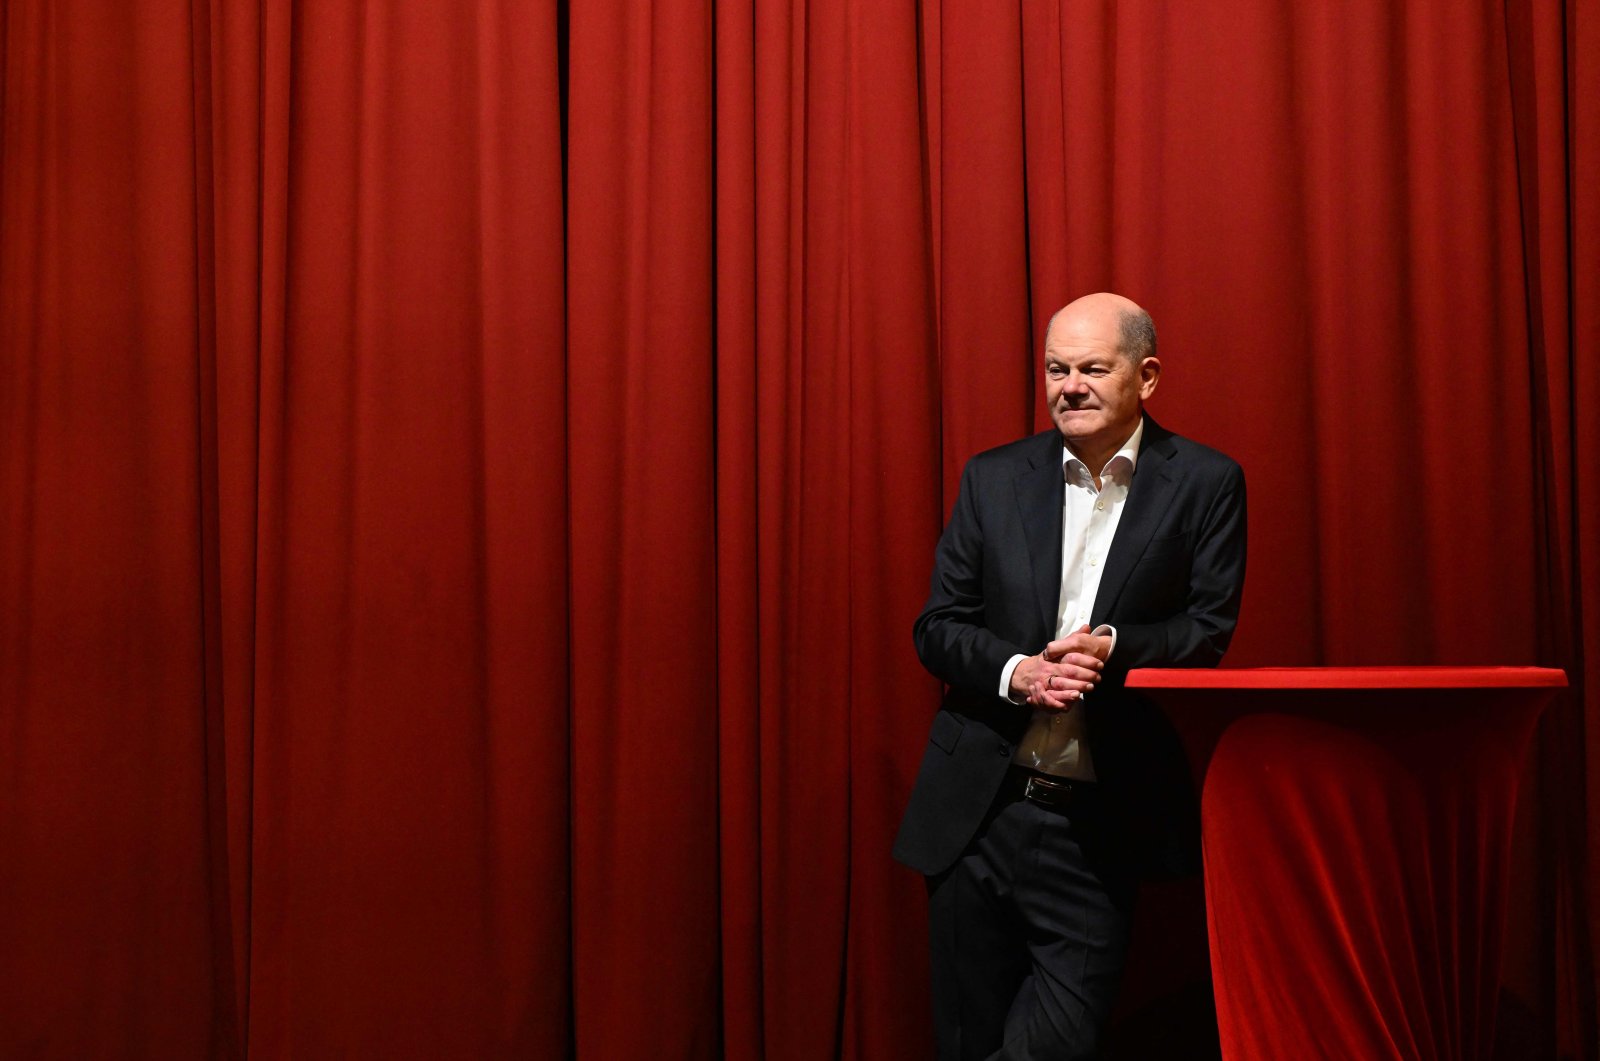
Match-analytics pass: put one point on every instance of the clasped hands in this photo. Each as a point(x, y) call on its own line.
point(1058, 678)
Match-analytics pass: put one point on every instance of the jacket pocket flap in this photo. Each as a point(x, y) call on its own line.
point(946, 731)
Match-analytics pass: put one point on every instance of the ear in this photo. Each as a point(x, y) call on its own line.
point(1149, 376)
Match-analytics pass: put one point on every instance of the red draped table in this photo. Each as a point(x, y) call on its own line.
point(1357, 827)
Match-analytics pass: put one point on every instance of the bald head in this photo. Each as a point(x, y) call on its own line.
point(1136, 332)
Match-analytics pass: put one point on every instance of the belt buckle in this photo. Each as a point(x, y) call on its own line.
point(1040, 790)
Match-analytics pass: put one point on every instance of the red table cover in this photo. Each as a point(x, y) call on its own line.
point(1357, 829)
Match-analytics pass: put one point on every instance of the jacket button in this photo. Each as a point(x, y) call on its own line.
point(1002, 749)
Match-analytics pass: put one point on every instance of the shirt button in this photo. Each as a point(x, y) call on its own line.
point(1100, 504)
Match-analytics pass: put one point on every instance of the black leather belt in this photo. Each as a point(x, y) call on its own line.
point(1047, 790)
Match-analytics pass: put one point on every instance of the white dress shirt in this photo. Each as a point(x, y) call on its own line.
point(1055, 742)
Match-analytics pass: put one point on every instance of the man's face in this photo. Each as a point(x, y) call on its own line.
point(1095, 393)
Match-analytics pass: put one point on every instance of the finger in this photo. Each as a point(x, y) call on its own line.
point(1076, 643)
point(1061, 646)
point(1052, 690)
point(1062, 700)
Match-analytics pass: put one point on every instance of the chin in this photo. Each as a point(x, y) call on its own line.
point(1076, 429)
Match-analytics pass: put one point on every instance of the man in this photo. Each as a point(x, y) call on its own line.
point(1104, 544)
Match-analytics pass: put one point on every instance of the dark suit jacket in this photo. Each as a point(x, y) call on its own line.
point(1171, 586)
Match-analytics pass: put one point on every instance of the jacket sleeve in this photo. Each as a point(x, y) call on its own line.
point(1199, 635)
point(952, 638)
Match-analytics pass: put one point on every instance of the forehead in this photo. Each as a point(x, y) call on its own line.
point(1078, 337)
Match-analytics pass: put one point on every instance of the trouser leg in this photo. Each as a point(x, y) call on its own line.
point(977, 942)
point(1077, 905)
point(1028, 938)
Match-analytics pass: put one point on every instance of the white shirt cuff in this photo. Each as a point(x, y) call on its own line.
point(1005, 678)
point(1101, 631)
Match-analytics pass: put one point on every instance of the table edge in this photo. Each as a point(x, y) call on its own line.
point(1431, 677)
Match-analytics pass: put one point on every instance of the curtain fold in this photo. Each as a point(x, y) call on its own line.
point(467, 474)
point(407, 734)
point(106, 879)
point(642, 524)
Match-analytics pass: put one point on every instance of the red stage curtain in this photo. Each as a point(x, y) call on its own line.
point(285, 673)
point(467, 471)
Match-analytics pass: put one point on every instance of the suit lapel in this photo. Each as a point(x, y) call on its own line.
point(1155, 480)
point(1039, 500)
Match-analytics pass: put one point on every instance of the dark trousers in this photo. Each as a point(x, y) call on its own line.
point(1029, 936)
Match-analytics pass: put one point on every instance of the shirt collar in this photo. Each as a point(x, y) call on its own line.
point(1128, 451)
